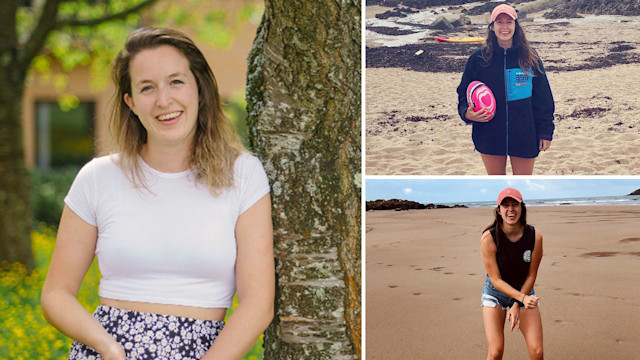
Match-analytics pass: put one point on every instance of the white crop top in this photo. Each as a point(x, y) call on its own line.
point(174, 244)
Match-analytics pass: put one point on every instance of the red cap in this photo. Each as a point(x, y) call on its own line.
point(509, 192)
point(503, 9)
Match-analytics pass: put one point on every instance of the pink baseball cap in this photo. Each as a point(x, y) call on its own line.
point(509, 192)
point(503, 9)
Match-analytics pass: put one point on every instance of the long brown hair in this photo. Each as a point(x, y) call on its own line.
point(497, 223)
point(527, 59)
point(216, 144)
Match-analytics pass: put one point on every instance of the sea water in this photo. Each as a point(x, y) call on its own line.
point(585, 201)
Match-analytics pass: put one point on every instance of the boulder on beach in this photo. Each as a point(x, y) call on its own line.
point(562, 13)
point(599, 7)
point(637, 192)
point(464, 20)
point(441, 23)
point(390, 14)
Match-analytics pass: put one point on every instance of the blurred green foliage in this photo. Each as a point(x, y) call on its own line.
point(235, 108)
point(97, 45)
point(48, 191)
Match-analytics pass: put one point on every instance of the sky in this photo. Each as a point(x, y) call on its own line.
point(484, 189)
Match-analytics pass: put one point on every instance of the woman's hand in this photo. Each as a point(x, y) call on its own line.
point(530, 301)
point(545, 145)
point(481, 115)
point(514, 317)
point(113, 351)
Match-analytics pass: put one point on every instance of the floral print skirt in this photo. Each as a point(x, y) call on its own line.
point(152, 336)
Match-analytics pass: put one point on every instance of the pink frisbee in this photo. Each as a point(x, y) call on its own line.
point(481, 96)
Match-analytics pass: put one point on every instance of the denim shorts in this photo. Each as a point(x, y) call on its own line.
point(152, 336)
point(491, 297)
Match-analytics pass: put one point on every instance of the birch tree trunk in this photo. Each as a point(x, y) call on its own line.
point(303, 98)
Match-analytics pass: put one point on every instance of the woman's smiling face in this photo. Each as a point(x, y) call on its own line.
point(504, 27)
point(164, 96)
point(510, 210)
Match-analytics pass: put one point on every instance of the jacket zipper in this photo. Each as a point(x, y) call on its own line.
point(506, 95)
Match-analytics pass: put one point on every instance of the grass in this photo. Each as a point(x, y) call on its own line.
point(24, 333)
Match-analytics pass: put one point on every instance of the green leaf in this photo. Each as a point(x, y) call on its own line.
point(68, 102)
point(41, 63)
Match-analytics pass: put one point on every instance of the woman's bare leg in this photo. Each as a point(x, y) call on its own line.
point(531, 328)
point(522, 166)
point(495, 164)
point(494, 330)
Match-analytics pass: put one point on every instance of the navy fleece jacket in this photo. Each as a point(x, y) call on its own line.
point(524, 111)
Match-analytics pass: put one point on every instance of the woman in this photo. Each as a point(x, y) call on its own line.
point(523, 121)
point(511, 252)
point(179, 219)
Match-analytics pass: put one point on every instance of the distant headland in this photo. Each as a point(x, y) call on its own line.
point(399, 205)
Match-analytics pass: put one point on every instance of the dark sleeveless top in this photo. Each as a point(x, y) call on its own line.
point(514, 258)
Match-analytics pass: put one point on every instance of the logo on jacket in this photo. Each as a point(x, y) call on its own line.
point(526, 256)
point(522, 79)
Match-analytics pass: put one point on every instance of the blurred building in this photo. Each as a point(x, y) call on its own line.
point(54, 138)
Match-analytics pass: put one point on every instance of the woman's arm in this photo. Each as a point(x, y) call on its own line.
point(255, 280)
point(543, 106)
point(73, 254)
point(536, 257)
point(468, 76)
point(491, 265)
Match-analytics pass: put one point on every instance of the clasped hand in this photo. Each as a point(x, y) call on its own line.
point(482, 115)
point(513, 316)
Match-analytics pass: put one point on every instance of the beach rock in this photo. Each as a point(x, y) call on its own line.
point(390, 14)
point(562, 13)
point(602, 7)
point(400, 205)
point(394, 204)
point(483, 9)
point(464, 20)
point(399, 12)
point(422, 4)
point(637, 192)
point(441, 23)
point(388, 3)
point(536, 6)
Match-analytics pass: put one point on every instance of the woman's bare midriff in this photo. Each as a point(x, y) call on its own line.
point(216, 314)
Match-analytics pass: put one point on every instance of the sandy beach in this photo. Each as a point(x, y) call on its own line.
point(412, 125)
point(424, 277)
